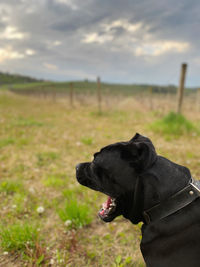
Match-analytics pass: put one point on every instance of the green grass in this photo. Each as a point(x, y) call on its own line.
point(28, 122)
point(6, 142)
point(44, 158)
point(11, 186)
point(87, 140)
point(77, 213)
point(121, 262)
point(55, 180)
point(70, 193)
point(18, 236)
point(174, 124)
point(19, 203)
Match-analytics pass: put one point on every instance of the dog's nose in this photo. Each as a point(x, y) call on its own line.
point(78, 166)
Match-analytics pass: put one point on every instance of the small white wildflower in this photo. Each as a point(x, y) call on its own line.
point(61, 260)
point(5, 253)
point(31, 190)
point(52, 261)
point(14, 206)
point(68, 222)
point(47, 248)
point(40, 210)
point(78, 143)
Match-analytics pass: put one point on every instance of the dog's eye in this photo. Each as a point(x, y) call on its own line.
point(95, 155)
point(92, 165)
point(95, 161)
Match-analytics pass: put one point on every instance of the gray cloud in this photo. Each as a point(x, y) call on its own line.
point(122, 41)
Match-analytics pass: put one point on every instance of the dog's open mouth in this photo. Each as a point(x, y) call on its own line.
point(106, 213)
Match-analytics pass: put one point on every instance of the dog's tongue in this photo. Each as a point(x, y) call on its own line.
point(108, 209)
point(105, 206)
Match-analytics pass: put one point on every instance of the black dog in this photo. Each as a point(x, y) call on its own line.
point(143, 186)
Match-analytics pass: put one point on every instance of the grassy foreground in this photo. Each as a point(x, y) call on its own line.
point(47, 218)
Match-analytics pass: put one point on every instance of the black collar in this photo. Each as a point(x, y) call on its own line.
point(171, 205)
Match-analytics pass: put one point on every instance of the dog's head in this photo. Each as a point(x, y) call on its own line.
point(114, 172)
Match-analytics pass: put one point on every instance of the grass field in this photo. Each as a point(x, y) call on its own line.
point(47, 218)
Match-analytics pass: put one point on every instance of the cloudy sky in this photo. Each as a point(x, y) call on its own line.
point(127, 41)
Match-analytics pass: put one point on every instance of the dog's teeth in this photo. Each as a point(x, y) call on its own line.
point(113, 204)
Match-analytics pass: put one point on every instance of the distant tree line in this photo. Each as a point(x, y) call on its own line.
point(7, 78)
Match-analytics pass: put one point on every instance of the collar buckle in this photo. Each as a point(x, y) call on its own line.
point(174, 203)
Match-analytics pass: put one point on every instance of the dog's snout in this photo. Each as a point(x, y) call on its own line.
point(78, 166)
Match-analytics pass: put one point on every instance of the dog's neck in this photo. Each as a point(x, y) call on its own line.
point(154, 186)
point(159, 185)
point(132, 212)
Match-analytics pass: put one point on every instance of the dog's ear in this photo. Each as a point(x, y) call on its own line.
point(135, 137)
point(140, 138)
point(140, 155)
point(146, 154)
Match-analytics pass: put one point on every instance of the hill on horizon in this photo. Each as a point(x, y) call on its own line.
point(8, 78)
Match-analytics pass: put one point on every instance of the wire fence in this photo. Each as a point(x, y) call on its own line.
point(105, 96)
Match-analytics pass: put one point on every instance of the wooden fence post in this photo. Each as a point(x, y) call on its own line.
point(99, 98)
point(53, 91)
point(71, 94)
point(198, 99)
point(151, 97)
point(181, 87)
